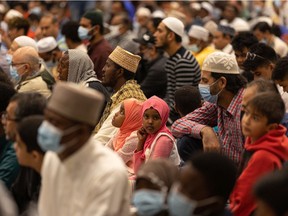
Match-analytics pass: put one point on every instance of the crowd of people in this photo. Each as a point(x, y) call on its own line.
point(144, 108)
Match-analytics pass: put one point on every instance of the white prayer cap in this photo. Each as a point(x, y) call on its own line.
point(195, 5)
point(198, 32)
point(207, 6)
point(46, 44)
point(158, 14)
point(2, 8)
point(243, 26)
point(174, 25)
point(220, 62)
point(143, 11)
point(211, 26)
point(255, 21)
point(26, 41)
point(12, 13)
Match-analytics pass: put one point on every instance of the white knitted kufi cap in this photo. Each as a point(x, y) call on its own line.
point(46, 44)
point(174, 25)
point(143, 11)
point(220, 62)
point(26, 41)
point(12, 13)
point(207, 6)
point(125, 59)
point(198, 32)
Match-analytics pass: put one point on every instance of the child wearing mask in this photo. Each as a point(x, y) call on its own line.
point(154, 138)
point(266, 148)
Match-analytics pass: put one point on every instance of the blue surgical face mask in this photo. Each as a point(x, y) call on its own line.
point(206, 94)
point(49, 137)
point(15, 77)
point(194, 48)
point(148, 202)
point(83, 33)
point(180, 205)
point(9, 59)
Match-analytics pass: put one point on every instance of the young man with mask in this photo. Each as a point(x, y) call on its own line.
point(221, 76)
point(79, 175)
point(91, 30)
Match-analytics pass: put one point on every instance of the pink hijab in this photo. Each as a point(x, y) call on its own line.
point(132, 122)
point(163, 110)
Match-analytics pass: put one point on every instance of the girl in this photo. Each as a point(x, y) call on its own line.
point(128, 119)
point(154, 138)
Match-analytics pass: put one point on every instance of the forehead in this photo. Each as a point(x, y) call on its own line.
point(206, 75)
point(217, 34)
point(46, 21)
point(85, 22)
point(162, 27)
point(151, 111)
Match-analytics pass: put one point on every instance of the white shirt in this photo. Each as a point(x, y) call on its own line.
point(91, 182)
point(82, 47)
point(280, 47)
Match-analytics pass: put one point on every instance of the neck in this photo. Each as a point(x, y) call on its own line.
point(73, 148)
point(119, 84)
point(74, 45)
point(172, 48)
point(225, 98)
point(37, 166)
point(96, 39)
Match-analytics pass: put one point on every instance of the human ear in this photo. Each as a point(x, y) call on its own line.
point(223, 81)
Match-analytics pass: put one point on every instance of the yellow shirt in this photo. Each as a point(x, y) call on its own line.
point(200, 57)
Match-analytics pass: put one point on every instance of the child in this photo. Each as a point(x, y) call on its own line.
point(266, 147)
point(154, 138)
point(129, 120)
point(187, 145)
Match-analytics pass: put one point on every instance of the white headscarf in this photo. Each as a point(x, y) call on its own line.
point(81, 67)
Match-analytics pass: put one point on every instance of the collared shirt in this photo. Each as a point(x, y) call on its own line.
point(129, 90)
point(228, 122)
point(92, 181)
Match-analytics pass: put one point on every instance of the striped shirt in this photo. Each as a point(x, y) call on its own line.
point(182, 69)
point(228, 122)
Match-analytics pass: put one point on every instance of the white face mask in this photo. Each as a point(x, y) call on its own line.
point(114, 30)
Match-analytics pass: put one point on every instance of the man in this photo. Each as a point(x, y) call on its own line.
point(26, 63)
point(48, 50)
point(221, 76)
point(70, 32)
point(121, 34)
point(241, 44)
point(264, 34)
point(280, 73)
point(181, 67)
point(92, 29)
point(26, 186)
point(152, 77)
point(118, 73)
point(8, 161)
point(79, 176)
point(199, 43)
point(222, 39)
point(50, 27)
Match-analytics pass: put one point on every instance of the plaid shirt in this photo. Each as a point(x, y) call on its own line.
point(228, 122)
point(129, 90)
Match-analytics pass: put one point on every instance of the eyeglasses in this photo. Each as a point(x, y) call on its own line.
point(253, 56)
point(4, 117)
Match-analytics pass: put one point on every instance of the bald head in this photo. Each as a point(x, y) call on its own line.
point(27, 55)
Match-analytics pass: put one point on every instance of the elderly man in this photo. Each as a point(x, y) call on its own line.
point(118, 73)
point(79, 176)
point(181, 67)
point(199, 43)
point(26, 64)
point(221, 76)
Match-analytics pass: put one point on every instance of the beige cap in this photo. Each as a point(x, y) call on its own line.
point(125, 59)
point(77, 102)
point(211, 26)
point(220, 62)
point(198, 32)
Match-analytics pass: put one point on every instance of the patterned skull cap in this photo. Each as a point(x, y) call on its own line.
point(220, 62)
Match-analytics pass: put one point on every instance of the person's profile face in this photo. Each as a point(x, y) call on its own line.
point(263, 71)
point(23, 157)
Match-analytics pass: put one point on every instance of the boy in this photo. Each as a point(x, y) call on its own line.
point(266, 147)
point(187, 99)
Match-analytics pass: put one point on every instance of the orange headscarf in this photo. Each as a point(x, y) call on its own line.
point(132, 122)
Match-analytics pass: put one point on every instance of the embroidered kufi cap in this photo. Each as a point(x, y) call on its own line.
point(46, 44)
point(77, 102)
point(125, 59)
point(220, 62)
point(198, 32)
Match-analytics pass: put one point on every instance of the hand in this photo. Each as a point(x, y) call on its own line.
point(142, 135)
point(210, 140)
